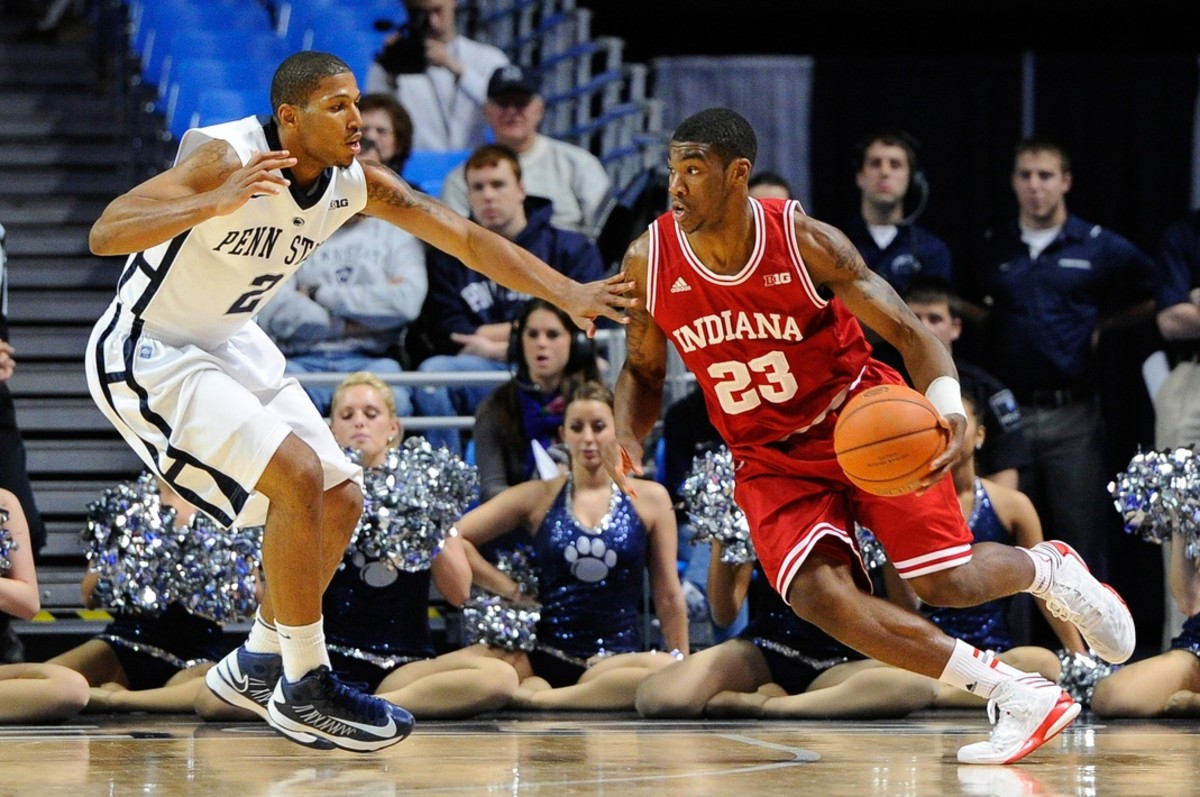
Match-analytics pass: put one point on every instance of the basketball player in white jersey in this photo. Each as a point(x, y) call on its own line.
point(183, 372)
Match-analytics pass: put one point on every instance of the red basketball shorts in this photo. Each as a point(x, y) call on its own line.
point(797, 500)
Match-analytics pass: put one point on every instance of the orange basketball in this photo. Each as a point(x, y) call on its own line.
point(885, 438)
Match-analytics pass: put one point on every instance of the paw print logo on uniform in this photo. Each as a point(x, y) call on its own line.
point(590, 559)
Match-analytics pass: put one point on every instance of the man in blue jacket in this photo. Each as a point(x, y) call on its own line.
point(1052, 284)
point(467, 318)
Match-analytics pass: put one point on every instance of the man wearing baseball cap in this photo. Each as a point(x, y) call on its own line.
point(572, 178)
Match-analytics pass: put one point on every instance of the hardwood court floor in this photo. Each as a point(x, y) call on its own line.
point(615, 755)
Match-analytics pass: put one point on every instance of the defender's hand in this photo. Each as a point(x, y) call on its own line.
point(607, 298)
point(256, 177)
point(621, 459)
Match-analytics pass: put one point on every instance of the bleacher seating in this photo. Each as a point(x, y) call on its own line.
point(593, 98)
point(193, 76)
point(426, 170)
point(302, 20)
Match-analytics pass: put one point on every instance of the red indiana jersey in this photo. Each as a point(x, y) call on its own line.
point(772, 356)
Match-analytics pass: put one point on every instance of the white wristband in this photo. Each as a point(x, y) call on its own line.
point(945, 394)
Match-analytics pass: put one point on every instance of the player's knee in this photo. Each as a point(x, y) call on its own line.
point(294, 469)
point(943, 588)
point(826, 597)
point(345, 500)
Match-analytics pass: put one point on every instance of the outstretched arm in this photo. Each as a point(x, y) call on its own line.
point(638, 393)
point(209, 182)
point(393, 200)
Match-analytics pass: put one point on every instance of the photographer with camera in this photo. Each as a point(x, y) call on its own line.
point(439, 76)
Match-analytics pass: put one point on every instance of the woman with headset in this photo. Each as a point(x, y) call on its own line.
point(516, 426)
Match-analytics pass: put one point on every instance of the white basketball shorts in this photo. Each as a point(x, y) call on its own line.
point(207, 420)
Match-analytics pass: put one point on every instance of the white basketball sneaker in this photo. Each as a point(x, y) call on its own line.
point(1026, 713)
point(1074, 595)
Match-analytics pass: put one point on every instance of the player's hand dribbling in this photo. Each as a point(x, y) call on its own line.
point(956, 429)
point(620, 460)
point(607, 298)
point(258, 176)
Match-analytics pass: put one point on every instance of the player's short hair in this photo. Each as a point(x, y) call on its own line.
point(299, 75)
point(726, 131)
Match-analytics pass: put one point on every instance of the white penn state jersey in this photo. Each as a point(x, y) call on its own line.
point(206, 283)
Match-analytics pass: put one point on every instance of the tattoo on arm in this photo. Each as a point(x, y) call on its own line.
point(845, 256)
point(388, 194)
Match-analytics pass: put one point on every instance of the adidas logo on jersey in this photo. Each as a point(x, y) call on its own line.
point(680, 286)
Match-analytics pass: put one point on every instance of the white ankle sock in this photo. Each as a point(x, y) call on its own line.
point(263, 636)
point(1043, 571)
point(976, 671)
point(303, 648)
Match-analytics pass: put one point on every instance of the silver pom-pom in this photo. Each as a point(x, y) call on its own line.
point(130, 541)
point(500, 623)
point(7, 544)
point(410, 502)
point(1079, 675)
point(1158, 495)
point(708, 499)
point(145, 563)
point(497, 621)
point(218, 570)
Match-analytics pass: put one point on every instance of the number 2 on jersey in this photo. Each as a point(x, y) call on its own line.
point(737, 390)
point(248, 301)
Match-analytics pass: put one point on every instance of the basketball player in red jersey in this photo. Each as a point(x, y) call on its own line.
point(763, 303)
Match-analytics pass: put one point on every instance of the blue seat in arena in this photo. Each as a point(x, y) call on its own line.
point(193, 76)
point(214, 106)
point(163, 21)
point(356, 47)
point(302, 20)
point(262, 45)
point(426, 170)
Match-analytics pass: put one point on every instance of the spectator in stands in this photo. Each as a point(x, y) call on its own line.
point(593, 545)
point(388, 124)
point(144, 661)
point(351, 302)
point(13, 473)
point(893, 195)
point(29, 692)
point(1052, 284)
point(770, 185)
point(1004, 452)
point(379, 615)
point(573, 179)
point(467, 317)
point(445, 85)
point(548, 355)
